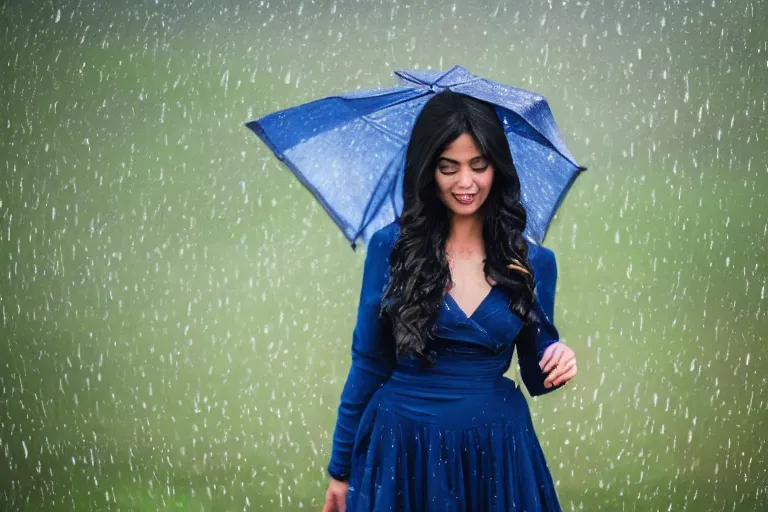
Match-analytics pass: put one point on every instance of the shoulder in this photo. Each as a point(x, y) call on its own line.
point(542, 259)
point(384, 238)
point(377, 253)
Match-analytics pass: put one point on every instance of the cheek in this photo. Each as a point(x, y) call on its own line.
point(487, 180)
point(442, 185)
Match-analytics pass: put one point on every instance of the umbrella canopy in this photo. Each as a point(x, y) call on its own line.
point(349, 150)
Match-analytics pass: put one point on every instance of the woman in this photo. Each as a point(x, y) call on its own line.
point(427, 421)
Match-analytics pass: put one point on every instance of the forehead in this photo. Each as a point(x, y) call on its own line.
point(463, 146)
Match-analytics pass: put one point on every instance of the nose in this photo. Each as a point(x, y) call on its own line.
point(465, 178)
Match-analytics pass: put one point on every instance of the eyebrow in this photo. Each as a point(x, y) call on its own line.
point(481, 157)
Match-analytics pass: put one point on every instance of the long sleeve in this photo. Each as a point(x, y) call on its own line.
point(534, 339)
point(373, 354)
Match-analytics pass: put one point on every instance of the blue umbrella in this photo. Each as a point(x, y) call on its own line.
point(349, 150)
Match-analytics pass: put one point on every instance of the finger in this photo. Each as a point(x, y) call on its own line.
point(568, 353)
point(566, 376)
point(567, 358)
point(558, 372)
point(555, 360)
point(547, 355)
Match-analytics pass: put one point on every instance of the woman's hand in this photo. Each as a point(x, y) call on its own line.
point(336, 496)
point(561, 361)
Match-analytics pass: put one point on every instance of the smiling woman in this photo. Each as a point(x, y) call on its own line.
point(427, 419)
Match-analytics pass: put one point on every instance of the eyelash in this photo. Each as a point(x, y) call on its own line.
point(443, 169)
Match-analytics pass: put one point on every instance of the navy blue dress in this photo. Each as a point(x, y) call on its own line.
point(456, 436)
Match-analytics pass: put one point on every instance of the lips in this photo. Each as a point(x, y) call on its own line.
point(464, 198)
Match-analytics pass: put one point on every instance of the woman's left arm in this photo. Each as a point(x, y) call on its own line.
point(546, 363)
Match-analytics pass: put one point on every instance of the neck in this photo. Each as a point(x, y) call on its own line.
point(466, 232)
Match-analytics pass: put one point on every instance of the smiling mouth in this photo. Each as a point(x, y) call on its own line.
point(464, 198)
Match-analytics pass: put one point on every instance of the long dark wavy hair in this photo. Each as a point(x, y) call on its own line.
point(420, 275)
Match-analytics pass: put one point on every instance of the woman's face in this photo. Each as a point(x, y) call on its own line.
point(463, 176)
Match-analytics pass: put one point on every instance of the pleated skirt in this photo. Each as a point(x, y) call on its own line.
point(417, 452)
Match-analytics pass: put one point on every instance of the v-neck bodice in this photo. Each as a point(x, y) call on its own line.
point(491, 325)
point(450, 297)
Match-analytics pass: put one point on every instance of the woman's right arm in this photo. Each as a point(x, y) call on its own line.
point(373, 354)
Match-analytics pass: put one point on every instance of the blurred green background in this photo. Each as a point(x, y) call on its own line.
point(176, 310)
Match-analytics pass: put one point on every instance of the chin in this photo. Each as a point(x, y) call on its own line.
point(465, 210)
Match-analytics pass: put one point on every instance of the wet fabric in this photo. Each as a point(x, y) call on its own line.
point(456, 436)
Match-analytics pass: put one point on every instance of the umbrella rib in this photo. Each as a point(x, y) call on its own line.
point(527, 109)
point(444, 75)
point(409, 77)
point(366, 220)
point(560, 198)
point(383, 130)
point(264, 136)
point(406, 75)
point(386, 131)
point(471, 80)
